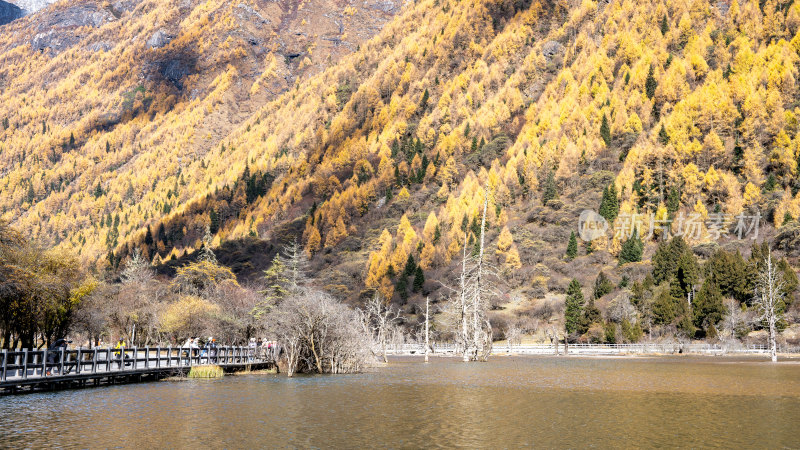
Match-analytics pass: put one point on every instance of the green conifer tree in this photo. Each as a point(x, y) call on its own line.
point(650, 84)
point(602, 285)
point(632, 249)
point(605, 131)
point(419, 280)
point(572, 247)
point(663, 137)
point(402, 288)
point(410, 267)
point(423, 103)
point(573, 307)
point(609, 205)
point(550, 191)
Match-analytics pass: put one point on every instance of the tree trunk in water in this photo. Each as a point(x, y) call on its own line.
point(773, 347)
point(464, 331)
point(427, 309)
point(317, 362)
point(383, 349)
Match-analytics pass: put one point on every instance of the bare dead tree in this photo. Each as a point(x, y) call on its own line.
point(552, 334)
point(379, 319)
point(296, 262)
point(513, 334)
point(769, 293)
point(319, 334)
point(427, 315)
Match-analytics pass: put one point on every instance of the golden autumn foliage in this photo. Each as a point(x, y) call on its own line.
point(452, 99)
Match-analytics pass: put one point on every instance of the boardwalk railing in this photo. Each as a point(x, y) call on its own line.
point(24, 365)
point(603, 349)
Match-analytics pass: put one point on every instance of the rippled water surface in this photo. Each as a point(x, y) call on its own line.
point(508, 402)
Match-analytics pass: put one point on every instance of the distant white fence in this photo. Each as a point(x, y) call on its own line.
point(602, 349)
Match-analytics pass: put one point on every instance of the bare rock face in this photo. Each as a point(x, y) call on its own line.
point(552, 48)
point(55, 31)
point(386, 6)
point(158, 39)
point(31, 6)
point(9, 12)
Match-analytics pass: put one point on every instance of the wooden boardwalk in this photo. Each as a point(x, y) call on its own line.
point(31, 370)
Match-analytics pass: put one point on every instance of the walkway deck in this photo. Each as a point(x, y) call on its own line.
point(29, 370)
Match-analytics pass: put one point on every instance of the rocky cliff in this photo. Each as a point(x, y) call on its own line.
point(8, 12)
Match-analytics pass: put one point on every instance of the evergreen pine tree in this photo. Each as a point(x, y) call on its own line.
point(573, 307)
point(609, 205)
point(148, 237)
point(550, 191)
point(602, 285)
point(213, 217)
point(707, 307)
point(663, 137)
point(673, 200)
point(650, 84)
point(572, 247)
point(589, 316)
point(410, 267)
point(402, 288)
point(605, 131)
point(771, 184)
point(664, 25)
point(423, 104)
point(419, 280)
point(632, 249)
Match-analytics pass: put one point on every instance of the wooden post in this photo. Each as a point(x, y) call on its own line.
point(427, 310)
point(44, 363)
point(94, 360)
point(158, 357)
point(24, 363)
point(5, 363)
point(78, 362)
point(147, 357)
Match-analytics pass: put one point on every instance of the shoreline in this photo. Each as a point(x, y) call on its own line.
point(791, 358)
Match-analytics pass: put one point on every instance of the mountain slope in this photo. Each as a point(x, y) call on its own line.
point(453, 96)
point(9, 12)
point(105, 106)
point(686, 108)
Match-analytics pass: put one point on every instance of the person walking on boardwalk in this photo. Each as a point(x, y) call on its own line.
point(120, 351)
point(54, 352)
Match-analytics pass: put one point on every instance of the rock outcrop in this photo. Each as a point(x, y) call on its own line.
point(31, 6)
point(9, 12)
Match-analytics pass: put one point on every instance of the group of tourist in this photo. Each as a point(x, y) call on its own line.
point(264, 348)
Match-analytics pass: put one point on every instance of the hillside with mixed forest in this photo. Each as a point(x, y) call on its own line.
point(378, 153)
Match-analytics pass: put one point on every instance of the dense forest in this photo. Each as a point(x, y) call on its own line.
point(676, 121)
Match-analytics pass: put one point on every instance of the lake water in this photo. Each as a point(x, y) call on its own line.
point(507, 402)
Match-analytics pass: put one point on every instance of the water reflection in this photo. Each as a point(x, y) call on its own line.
point(508, 402)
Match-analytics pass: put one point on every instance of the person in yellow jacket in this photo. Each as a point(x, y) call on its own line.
point(120, 351)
